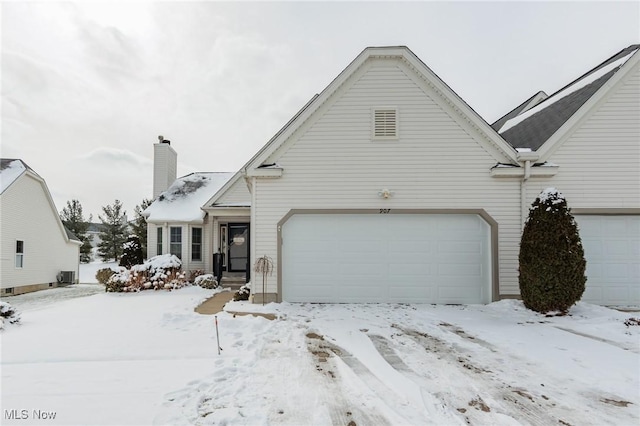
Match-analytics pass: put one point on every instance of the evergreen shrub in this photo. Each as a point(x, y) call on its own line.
point(131, 252)
point(552, 264)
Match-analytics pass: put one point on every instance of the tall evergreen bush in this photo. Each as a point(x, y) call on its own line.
point(552, 263)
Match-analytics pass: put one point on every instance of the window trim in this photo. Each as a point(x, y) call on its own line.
point(175, 244)
point(385, 137)
point(159, 243)
point(19, 254)
point(194, 244)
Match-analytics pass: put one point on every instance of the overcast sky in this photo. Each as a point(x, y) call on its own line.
point(87, 87)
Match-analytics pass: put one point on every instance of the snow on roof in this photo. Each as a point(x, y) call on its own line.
point(588, 79)
point(183, 200)
point(10, 170)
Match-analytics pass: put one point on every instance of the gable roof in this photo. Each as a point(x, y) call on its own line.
point(491, 138)
point(213, 201)
point(526, 105)
point(533, 127)
point(10, 170)
point(184, 199)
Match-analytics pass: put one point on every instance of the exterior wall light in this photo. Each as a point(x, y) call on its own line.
point(385, 193)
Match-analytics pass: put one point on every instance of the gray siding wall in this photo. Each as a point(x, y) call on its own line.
point(333, 163)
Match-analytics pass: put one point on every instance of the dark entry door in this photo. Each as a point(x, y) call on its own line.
point(238, 247)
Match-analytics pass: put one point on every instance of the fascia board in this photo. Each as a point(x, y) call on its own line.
point(508, 172)
point(565, 131)
point(265, 173)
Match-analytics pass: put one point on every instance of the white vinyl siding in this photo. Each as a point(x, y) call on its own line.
point(237, 194)
point(27, 215)
point(599, 162)
point(435, 164)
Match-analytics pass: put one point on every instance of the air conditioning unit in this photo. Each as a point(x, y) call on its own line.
point(68, 277)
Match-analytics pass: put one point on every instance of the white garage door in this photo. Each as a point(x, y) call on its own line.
point(612, 250)
point(410, 258)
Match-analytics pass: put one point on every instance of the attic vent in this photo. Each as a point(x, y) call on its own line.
point(385, 123)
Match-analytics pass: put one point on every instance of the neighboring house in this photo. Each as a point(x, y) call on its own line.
point(590, 132)
point(190, 220)
point(388, 187)
point(36, 247)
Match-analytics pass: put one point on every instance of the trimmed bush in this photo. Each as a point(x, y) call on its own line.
point(206, 281)
point(159, 272)
point(9, 314)
point(243, 293)
point(103, 275)
point(552, 263)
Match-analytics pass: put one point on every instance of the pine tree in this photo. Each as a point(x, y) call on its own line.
point(114, 231)
point(132, 252)
point(552, 263)
point(73, 220)
point(139, 225)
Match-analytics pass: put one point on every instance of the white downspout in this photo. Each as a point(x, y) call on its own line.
point(252, 231)
point(523, 194)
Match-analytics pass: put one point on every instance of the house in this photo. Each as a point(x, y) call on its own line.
point(590, 131)
point(38, 252)
point(190, 219)
point(388, 187)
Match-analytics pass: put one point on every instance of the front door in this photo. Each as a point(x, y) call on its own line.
point(238, 243)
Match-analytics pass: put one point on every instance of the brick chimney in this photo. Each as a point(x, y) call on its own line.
point(165, 161)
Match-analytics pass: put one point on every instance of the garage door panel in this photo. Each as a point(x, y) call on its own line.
point(458, 294)
point(612, 251)
point(392, 258)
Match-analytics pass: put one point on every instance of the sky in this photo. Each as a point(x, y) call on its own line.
point(87, 87)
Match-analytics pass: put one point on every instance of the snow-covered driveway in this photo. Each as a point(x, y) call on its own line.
point(417, 364)
point(147, 358)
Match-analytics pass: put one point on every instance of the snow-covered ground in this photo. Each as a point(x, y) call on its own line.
point(148, 358)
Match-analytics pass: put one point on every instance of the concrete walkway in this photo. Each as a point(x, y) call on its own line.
point(214, 304)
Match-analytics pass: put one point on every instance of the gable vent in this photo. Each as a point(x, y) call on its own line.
point(385, 123)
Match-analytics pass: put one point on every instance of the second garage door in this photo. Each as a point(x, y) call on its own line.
point(612, 250)
point(410, 258)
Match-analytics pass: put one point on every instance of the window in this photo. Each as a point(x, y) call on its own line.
point(159, 242)
point(175, 241)
point(19, 254)
point(196, 244)
point(385, 123)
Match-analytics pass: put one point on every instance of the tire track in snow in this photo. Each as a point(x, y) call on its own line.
point(530, 406)
point(341, 411)
point(485, 397)
point(599, 339)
